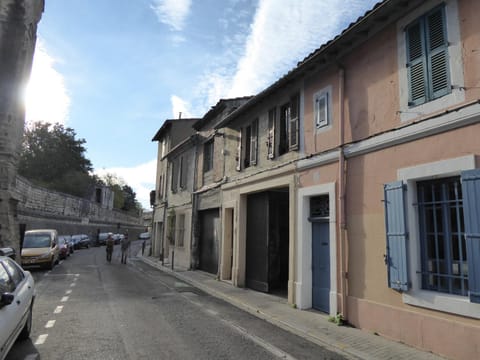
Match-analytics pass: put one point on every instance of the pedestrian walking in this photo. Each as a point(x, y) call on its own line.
point(109, 242)
point(125, 247)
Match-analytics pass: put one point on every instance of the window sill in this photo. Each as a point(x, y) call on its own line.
point(459, 305)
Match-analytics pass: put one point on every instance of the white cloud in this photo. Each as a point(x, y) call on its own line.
point(172, 12)
point(281, 34)
point(46, 98)
point(180, 106)
point(141, 178)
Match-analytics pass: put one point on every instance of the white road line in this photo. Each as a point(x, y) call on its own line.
point(50, 324)
point(72, 285)
point(41, 339)
point(31, 357)
point(64, 299)
point(58, 309)
point(68, 292)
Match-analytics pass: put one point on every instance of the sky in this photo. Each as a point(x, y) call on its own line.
point(114, 70)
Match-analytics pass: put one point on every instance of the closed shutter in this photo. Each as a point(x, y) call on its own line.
point(395, 225)
point(271, 133)
point(183, 172)
point(427, 57)
point(437, 53)
point(471, 213)
point(417, 64)
point(239, 151)
point(174, 177)
point(293, 117)
point(254, 142)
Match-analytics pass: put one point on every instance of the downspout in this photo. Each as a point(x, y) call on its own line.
point(341, 192)
point(193, 225)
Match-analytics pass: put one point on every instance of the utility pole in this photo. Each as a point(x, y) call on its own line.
point(18, 34)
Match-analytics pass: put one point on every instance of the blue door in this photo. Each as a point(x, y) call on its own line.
point(321, 266)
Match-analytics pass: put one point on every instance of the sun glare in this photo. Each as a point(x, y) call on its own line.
point(46, 97)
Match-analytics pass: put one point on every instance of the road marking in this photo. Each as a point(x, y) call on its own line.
point(64, 299)
point(58, 309)
point(72, 285)
point(41, 339)
point(50, 324)
point(31, 357)
point(68, 292)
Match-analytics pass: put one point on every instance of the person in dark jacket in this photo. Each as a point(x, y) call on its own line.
point(110, 243)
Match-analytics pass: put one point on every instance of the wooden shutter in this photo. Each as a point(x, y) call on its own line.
point(395, 225)
point(254, 142)
point(272, 113)
point(293, 117)
point(471, 213)
point(174, 177)
point(416, 64)
point(183, 172)
point(239, 151)
point(436, 31)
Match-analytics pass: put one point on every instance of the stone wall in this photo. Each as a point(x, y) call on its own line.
point(42, 208)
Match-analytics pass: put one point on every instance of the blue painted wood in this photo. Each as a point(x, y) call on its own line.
point(321, 266)
point(395, 225)
point(471, 209)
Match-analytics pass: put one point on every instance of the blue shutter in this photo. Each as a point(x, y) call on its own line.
point(396, 227)
point(437, 45)
point(416, 64)
point(471, 211)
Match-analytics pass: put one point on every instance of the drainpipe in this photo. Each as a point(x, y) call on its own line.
point(341, 193)
point(193, 224)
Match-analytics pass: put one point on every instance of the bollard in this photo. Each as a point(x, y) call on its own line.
point(173, 257)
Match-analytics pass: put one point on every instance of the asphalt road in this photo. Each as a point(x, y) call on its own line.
point(87, 308)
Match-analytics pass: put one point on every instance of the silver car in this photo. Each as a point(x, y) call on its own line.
point(17, 294)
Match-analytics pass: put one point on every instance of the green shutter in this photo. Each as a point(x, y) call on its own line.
point(471, 211)
point(417, 65)
point(427, 57)
point(438, 75)
point(396, 257)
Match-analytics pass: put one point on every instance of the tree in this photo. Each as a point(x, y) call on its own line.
point(124, 196)
point(52, 157)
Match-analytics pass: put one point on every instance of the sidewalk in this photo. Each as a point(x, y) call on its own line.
point(311, 325)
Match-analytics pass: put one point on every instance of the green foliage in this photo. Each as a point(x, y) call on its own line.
point(125, 197)
point(52, 157)
point(337, 319)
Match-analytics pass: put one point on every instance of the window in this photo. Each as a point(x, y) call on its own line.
point(160, 187)
point(253, 142)
point(208, 155)
point(179, 174)
point(446, 228)
point(181, 230)
point(174, 177)
point(183, 173)
point(443, 248)
point(427, 57)
point(321, 108)
point(171, 228)
point(6, 283)
point(272, 119)
point(289, 124)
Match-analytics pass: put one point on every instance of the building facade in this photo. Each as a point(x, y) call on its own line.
point(352, 184)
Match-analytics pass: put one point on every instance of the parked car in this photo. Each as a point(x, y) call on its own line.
point(144, 236)
point(69, 240)
point(81, 241)
point(40, 248)
point(102, 238)
point(117, 238)
point(63, 248)
point(17, 294)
